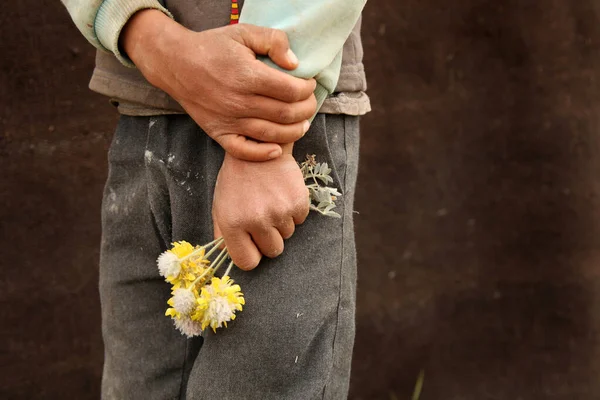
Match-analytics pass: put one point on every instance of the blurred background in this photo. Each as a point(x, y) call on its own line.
point(478, 200)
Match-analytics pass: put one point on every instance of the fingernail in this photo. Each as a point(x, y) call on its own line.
point(306, 126)
point(274, 154)
point(292, 57)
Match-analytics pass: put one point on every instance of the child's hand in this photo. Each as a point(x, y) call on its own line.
point(257, 205)
point(215, 76)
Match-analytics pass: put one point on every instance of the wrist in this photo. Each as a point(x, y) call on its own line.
point(146, 37)
point(110, 19)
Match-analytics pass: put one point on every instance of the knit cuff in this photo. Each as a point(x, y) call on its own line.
point(321, 94)
point(112, 17)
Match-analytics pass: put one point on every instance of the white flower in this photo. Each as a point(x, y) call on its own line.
point(223, 300)
point(188, 327)
point(168, 264)
point(219, 311)
point(184, 301)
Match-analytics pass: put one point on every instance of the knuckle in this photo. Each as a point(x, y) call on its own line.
point(281, 222)
point(218, 137)
point(260, 133)
point(234, 150)
point(281, 211)
point(287, 114)
point(303, 207)
point(263, 134)
point(287, 229)
point(274, 251)
point(306, 209)
point(295, 91)
point(246, 263)
point(298, 131)
point(238, 28)
point(231, 223)
point(258, 219)
point(235, 105)
point(243, 259)
point(248, 78)
point(286, 85)
point(278, 36)
point(301, 195)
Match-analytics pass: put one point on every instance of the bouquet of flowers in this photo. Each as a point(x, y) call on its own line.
point(201, 299)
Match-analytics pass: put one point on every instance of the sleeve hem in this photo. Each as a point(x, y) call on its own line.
point(112, 17)
point(321, 94)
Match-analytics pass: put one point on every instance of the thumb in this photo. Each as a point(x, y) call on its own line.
point(269, 42)
point(217, 230)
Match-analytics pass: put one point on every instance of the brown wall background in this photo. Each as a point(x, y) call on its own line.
point(478, 202)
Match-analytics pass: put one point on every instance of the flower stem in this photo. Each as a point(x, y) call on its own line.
point(206, 246)
point(217, 244)
point(208, 270)
point(221, 254)
point(199, 250)
point(221, 261)
point(228, 269)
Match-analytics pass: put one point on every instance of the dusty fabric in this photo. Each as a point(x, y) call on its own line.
point(295, 336)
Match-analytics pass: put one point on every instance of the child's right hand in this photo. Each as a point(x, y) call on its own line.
point(217, 79)
point(257, 205)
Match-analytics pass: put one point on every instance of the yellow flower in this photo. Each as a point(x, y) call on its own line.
point(182, 249)
point(221, 299)
point(201, 306)
point(171, 312)
point(198, 298)
point(172, 262)
point(183, 264)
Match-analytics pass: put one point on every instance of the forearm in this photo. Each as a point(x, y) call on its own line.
point(147, 39)
point(101, 21)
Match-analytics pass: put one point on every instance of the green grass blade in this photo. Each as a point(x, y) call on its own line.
point(419, 386)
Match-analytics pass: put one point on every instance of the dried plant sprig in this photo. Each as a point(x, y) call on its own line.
point(317, 177)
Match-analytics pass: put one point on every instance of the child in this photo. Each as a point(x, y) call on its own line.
point(204, 148)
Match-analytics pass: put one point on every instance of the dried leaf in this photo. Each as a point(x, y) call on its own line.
point(332, 214)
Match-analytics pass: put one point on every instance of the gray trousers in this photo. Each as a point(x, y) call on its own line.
point(295, 336)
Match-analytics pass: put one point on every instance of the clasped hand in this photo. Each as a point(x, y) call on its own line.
point(253, 111)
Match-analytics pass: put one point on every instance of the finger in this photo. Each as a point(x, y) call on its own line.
point(301, 210)
point(279, 111)
point(286, 228)
point(269, 42)
point(268, 241)
point(271, 132)
point(242, 250)
point(216, 229)
point(243, 148)
point(264, 80)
